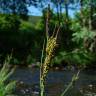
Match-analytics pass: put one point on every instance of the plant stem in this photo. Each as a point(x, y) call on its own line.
point(74, 78)
point(41, 68)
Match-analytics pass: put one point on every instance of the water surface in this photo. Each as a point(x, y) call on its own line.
point(28, 82)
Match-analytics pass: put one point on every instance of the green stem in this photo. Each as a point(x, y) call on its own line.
point(41, 68)
point(68, 87)
point(74, 78)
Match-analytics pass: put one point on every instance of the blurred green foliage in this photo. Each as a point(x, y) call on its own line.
point(5, 73)
point(76, 38)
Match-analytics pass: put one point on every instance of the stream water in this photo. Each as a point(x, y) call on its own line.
point(28, 82)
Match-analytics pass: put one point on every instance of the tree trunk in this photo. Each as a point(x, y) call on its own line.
point(81, 13)
point(67, 15)
point(91, 15)
point(58, 13)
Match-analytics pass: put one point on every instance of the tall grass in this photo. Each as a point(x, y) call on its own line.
point(74, 79)
point(49, 50)
point(50, 47)
point(5, 73)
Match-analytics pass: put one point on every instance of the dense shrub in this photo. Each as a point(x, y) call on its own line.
point(16, 35)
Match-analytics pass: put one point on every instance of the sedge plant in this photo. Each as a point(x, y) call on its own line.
point(49, 50)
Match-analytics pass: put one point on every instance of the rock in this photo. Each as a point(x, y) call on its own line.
point(36, 92)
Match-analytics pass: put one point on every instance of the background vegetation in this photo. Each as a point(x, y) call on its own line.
point(23, 35)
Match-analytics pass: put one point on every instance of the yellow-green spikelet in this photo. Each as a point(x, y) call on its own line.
point(51, 45)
